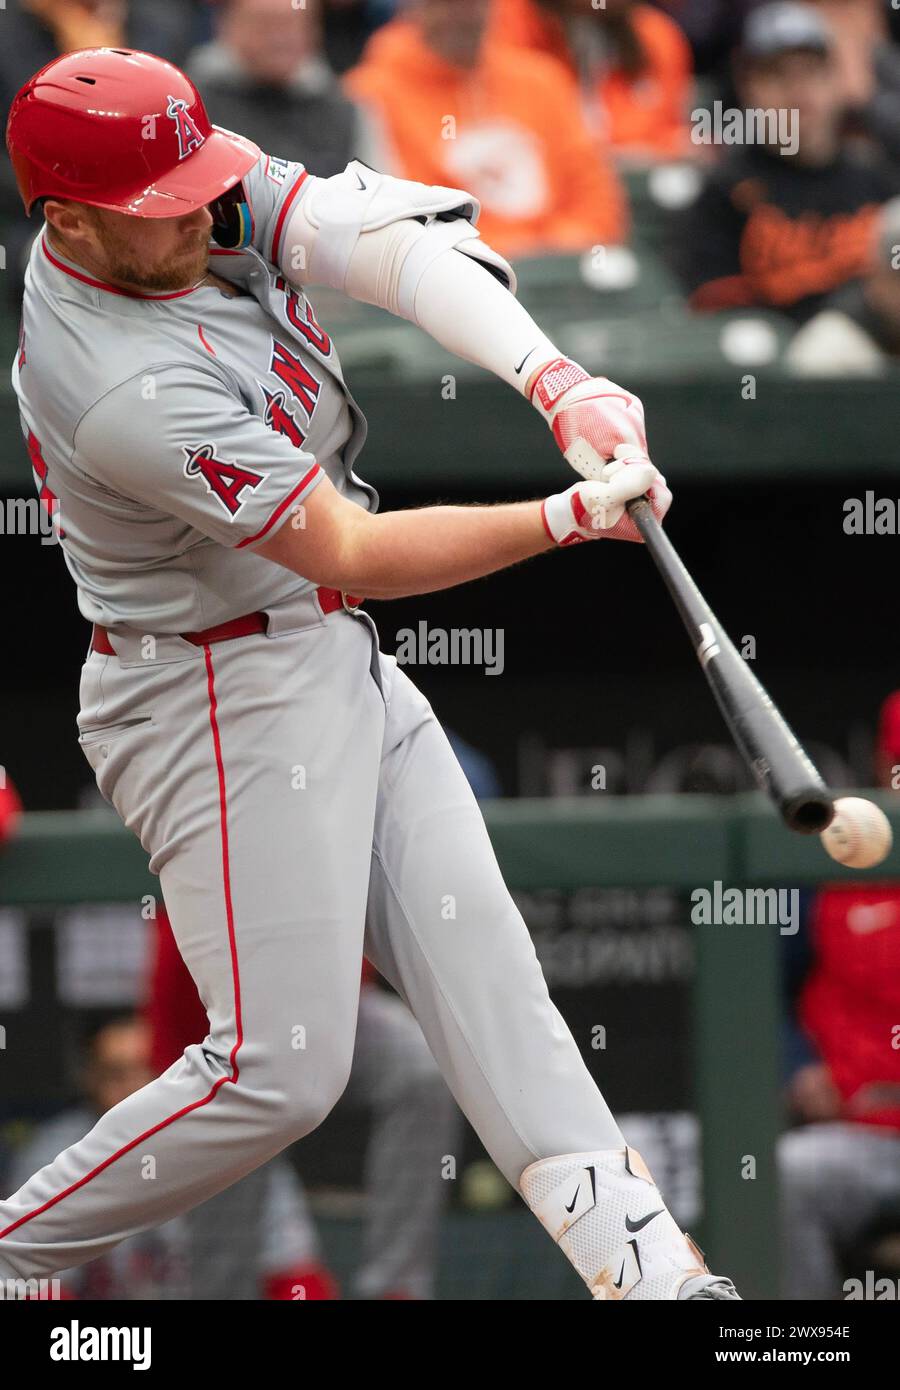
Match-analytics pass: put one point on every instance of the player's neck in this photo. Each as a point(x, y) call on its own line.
point(223, 286)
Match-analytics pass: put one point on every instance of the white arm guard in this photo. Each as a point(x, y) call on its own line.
point(328, 229)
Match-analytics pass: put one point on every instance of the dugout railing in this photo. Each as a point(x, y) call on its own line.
point(679, 842)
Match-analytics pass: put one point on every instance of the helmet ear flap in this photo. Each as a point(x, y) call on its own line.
point(232, 219)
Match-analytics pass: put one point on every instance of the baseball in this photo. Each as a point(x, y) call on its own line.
point(860, 835)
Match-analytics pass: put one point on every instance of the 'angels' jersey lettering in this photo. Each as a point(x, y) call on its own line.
point(278, 417)
point(300, 316)
point(301, 383)
point(169, 432)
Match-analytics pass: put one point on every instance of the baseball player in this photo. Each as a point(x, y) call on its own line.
point(189, 427)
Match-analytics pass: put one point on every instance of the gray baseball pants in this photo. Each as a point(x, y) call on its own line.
point(300, 803)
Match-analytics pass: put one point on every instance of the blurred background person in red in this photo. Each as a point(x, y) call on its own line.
point(790, 215)
point(462, 108)
point(10, 807)
point(839, 1172)
point(633, 64)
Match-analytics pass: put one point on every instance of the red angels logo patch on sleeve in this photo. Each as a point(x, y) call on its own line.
point(225, 479)
point(190, 137)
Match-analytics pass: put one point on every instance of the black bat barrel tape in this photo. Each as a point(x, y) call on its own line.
point(776, 759)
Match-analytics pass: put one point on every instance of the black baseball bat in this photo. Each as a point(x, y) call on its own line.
point(781, 767)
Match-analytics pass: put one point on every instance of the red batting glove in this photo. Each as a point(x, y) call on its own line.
point(594, 421)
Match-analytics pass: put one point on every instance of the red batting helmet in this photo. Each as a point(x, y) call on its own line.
point(121, 130)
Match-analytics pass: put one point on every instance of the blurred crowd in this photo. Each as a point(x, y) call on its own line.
point(782, 118)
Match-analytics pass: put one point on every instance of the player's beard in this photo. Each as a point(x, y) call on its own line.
point(180, 271)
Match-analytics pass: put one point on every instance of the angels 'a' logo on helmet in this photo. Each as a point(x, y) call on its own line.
point(190, 137)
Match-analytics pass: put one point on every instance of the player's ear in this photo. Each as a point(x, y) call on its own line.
point(72, 220)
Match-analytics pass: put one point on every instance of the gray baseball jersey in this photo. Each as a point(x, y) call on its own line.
point(170, 431)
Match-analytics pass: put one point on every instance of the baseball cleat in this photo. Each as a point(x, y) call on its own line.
point(607, 1216)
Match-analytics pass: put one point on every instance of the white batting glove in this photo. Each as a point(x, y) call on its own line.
point(594, 510)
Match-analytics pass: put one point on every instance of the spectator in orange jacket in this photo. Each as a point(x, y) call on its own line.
point(503, 124)
point(633, 62)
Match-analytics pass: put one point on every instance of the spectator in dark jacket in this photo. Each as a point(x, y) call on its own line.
point(789, 216)
point(265, 75)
